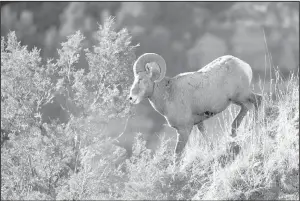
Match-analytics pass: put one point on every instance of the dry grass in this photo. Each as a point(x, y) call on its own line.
point(268, 164)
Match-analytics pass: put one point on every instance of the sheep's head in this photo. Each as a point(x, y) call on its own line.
point(148, 68)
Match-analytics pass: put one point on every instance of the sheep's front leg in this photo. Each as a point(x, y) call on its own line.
point(182, 138)
point(238, 119)
point(204, 134)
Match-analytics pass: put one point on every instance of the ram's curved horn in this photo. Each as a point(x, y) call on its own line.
point(139, 65)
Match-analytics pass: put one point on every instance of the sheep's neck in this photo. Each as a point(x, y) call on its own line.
point(160, 95)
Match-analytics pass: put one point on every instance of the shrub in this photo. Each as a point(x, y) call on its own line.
point(39, 160)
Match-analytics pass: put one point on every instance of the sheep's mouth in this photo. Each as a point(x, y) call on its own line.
point(134, 101)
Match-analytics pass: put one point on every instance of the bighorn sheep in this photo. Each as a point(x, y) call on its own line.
point(192, 97)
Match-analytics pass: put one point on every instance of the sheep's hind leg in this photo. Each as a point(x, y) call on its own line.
point(201, 127)
point(203, 131)
point(239, 118)
point(256, 100)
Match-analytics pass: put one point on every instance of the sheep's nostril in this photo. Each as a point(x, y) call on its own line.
point(130, 98)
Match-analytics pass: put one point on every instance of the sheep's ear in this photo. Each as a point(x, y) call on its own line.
point(148, 69)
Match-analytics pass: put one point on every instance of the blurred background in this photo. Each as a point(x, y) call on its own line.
point(187, 34)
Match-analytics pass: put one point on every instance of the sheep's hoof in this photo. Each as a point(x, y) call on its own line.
point(233, 133)
point(233, 149)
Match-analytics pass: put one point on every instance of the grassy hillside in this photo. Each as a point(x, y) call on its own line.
point(267, 166)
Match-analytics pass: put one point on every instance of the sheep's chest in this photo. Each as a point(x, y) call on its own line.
point(177, 114)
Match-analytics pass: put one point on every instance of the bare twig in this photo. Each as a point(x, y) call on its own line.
point(131, 114)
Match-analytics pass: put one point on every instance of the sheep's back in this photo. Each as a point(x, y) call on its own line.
point(212, 86)
point(229, 67)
